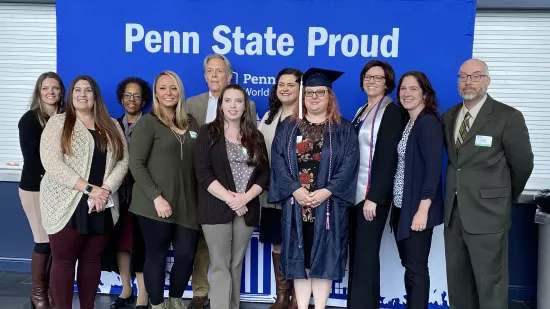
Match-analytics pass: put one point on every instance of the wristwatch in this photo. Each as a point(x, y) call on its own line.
point(88, 189)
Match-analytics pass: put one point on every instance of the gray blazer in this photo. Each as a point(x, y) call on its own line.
point(198, 105)
point(486, 180)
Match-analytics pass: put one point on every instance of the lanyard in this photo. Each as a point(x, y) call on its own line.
point(371, 146)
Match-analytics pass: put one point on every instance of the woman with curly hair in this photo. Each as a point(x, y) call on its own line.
point(282, 103)
point(133, 93)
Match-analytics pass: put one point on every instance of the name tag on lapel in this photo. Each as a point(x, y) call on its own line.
point(484, 141)
point(298, 139)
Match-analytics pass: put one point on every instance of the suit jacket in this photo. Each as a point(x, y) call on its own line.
point(422, 179)
point(486, 180)
point(211, 164)
point(198, 106)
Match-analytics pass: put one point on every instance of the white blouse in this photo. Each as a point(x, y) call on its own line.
point(369, 131)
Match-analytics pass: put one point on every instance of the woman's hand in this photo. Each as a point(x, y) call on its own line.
point(318, 197)
point(241, 212)
point(420, 220)
point(162, 207)
point(100, 194)
point(369, 210)
point(302, 196)
point(238, 201)
point(95, 205)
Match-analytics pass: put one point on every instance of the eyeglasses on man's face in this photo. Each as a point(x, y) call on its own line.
point(474, 77)
point(319, 93)
point(128, 96)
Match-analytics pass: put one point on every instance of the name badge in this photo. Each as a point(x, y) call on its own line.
point(484, 141)
point(298, 139)
point(245, 152)
point(193, 134)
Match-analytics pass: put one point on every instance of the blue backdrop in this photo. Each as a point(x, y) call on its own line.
point(114, 39)
point(111, 40)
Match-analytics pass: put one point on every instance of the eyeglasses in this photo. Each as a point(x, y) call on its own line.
point(128, 96)
point(319, 93)
point(473, 77)
point(377, 78)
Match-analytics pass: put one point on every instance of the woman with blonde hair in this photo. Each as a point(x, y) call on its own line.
point(164, 195)
point(85, 157)
point(47, 100)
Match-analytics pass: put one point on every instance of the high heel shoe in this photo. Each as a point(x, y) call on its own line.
point(121, 302)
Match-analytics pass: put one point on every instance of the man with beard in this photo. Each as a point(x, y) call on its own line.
point(490, 161)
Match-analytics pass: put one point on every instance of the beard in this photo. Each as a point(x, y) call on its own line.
point(469, 95)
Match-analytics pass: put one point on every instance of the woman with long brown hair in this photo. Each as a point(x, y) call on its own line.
point(417, 190)
point(85, 158)
point(164, 196)
point(232, 171)
point(313, 174)
point(47, 100)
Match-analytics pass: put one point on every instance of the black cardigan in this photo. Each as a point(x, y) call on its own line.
point(30, 132)
point(384, 161)
point(211, 164)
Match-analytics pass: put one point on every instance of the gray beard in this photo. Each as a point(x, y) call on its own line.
point(469, 96)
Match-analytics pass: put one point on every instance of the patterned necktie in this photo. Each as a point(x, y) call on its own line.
point(463, 131)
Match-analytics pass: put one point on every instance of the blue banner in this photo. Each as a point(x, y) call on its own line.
point(111, 40)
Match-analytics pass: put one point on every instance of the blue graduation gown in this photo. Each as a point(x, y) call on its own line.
point(329, 252)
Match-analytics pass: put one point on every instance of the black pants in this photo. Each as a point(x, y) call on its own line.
point(158, 237)
point(414, 252)
point(364, 272)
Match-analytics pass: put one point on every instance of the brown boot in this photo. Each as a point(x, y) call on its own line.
point(282, 285)
point(293, 302)
point(39, 295)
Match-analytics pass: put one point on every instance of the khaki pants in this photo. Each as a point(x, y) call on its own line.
point(199, 279)
point(227, 244)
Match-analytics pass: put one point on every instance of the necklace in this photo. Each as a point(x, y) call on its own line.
point(180, 140)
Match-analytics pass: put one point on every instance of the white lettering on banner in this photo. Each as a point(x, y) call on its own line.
point(154, 41)
point(267, 43)
point(258, 92)
point(350, 43)
point(254, 42)
point(258, 80)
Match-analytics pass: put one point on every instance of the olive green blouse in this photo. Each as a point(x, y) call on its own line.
point(161, 165)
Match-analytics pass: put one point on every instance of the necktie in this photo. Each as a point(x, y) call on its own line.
point(463, 131)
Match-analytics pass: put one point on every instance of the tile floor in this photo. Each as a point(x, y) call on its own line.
point(15, 289)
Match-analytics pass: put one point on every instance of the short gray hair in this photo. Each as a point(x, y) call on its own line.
point(218, 56)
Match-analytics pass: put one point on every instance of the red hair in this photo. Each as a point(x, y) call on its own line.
point(333, 113)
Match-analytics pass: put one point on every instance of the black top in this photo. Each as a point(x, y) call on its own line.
point(95, 222)
point(211, 164)
point(384, 161)
point(30, 132)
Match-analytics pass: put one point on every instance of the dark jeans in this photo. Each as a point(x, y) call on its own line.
point(158, 237)
point(68, 246)
point(414, 252)
point(364, 272)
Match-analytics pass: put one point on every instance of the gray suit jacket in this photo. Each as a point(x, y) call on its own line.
point(486, 180)
point(198, 106)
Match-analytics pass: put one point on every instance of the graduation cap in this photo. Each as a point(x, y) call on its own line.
point(315, 77)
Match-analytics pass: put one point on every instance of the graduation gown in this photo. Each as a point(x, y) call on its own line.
point(329, 252)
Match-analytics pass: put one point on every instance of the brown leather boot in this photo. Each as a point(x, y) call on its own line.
point(39, 295)
point(293, 302)
point(282, 285)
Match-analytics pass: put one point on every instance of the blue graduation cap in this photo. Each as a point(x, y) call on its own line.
point(315, 77)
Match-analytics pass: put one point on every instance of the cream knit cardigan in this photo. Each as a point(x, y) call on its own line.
point(58, 199)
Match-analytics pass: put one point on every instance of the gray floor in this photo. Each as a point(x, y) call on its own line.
point(15, 289)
